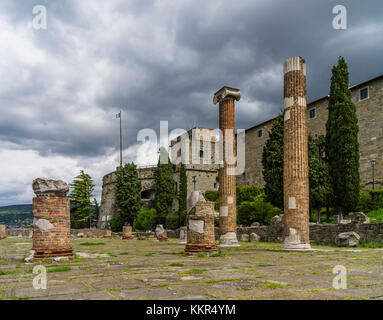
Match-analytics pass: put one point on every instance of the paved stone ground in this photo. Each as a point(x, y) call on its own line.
point(145, 269)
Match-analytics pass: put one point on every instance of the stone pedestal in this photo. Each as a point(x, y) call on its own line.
point(183, 235)
point(161, 233)
point(127, 232)
point(51, 220)
point(200, 228)
point(295, 167)
point(107, 234)
point(227, 177)
point(3, 232)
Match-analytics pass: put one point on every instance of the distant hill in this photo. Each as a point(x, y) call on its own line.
point(18, 208)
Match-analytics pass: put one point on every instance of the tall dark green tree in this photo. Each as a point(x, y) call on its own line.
point(320, 183)
point(182, 195)
point(81, 211)
point(342, 147)
point(164, 184)
point(272, 162)
point(96, 210)
point(128, 193)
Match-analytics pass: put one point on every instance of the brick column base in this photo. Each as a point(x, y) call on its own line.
point(51, 228)
point(200, 229)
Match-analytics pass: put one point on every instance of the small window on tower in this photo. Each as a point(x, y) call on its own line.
point(260, 133)
point(201, 153)
point(363, 94)
point(312, 113)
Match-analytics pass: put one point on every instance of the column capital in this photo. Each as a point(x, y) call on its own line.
point(226, 93)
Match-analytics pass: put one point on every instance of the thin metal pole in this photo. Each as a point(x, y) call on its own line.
point(120, 142)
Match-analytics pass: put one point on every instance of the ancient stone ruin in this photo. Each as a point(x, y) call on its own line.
point(227, 178)
point(51, 222)
point(107, 234)
point(127, 232)
point(183, 235)
point(3, 232)
point(200, 225)
point(161, 233)
point(295, 166)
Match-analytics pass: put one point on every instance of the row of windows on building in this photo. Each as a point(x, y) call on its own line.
point(312, 113)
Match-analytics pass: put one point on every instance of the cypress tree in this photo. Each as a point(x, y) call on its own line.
point(182, 195)
point(342, 147)
point(164, 184)
point(81, 211)
point(272, 162)
point(128, 194)
point(320, 183)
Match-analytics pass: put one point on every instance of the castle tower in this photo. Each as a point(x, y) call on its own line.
point(295, 163)
point(227, 179)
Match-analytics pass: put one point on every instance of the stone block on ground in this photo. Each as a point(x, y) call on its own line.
point(347, 239)
point(358, 217)
point(161, 233)
point(3, 233)
point(254, 237)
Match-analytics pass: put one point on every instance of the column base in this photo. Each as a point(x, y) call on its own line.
point(43, 254)
point(290, 246)
point(191, 249)
point(228, 239)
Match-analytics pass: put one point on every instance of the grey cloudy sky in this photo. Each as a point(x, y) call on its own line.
point(60, 88)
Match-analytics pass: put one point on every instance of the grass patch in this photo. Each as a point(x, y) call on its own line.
point(192, 272)
point(124, 253)
point(217, 255)
point(176, 265)
point(92, 244)
point(271, 285)
point(370, 245)
point(59, 269)
point(376, 215)
point(149, 255)
point(265, 265)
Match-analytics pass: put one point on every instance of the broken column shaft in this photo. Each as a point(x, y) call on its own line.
point(295, 163)
point(51, 220)
point(226, 175)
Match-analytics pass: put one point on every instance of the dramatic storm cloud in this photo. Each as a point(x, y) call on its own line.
point(60, 87)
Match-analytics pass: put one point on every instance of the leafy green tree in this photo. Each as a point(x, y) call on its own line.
point(182, 196)
point(248, 193)
point(81, 211)
point(128, 193)
point(320, 183)
point(96, 210)
point(164, 184)
point(342, 147)
point(272, 162)
point(146, 219)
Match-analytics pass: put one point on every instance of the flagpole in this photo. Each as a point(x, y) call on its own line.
point(120, 143)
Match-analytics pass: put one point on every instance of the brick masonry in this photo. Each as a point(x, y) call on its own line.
point(200, 228)
point(51, 227)
point(295, 167)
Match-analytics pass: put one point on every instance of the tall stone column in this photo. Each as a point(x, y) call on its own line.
point(3, 232)
point(227, 179)
point(51, 220)
point(295, 162)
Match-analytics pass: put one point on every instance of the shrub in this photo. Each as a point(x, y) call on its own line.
point(117, 222)
point(369, 201)
point(146, 219)
point(248, 193)
point(212, 195)
point(172, 221)
point(257, 210)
